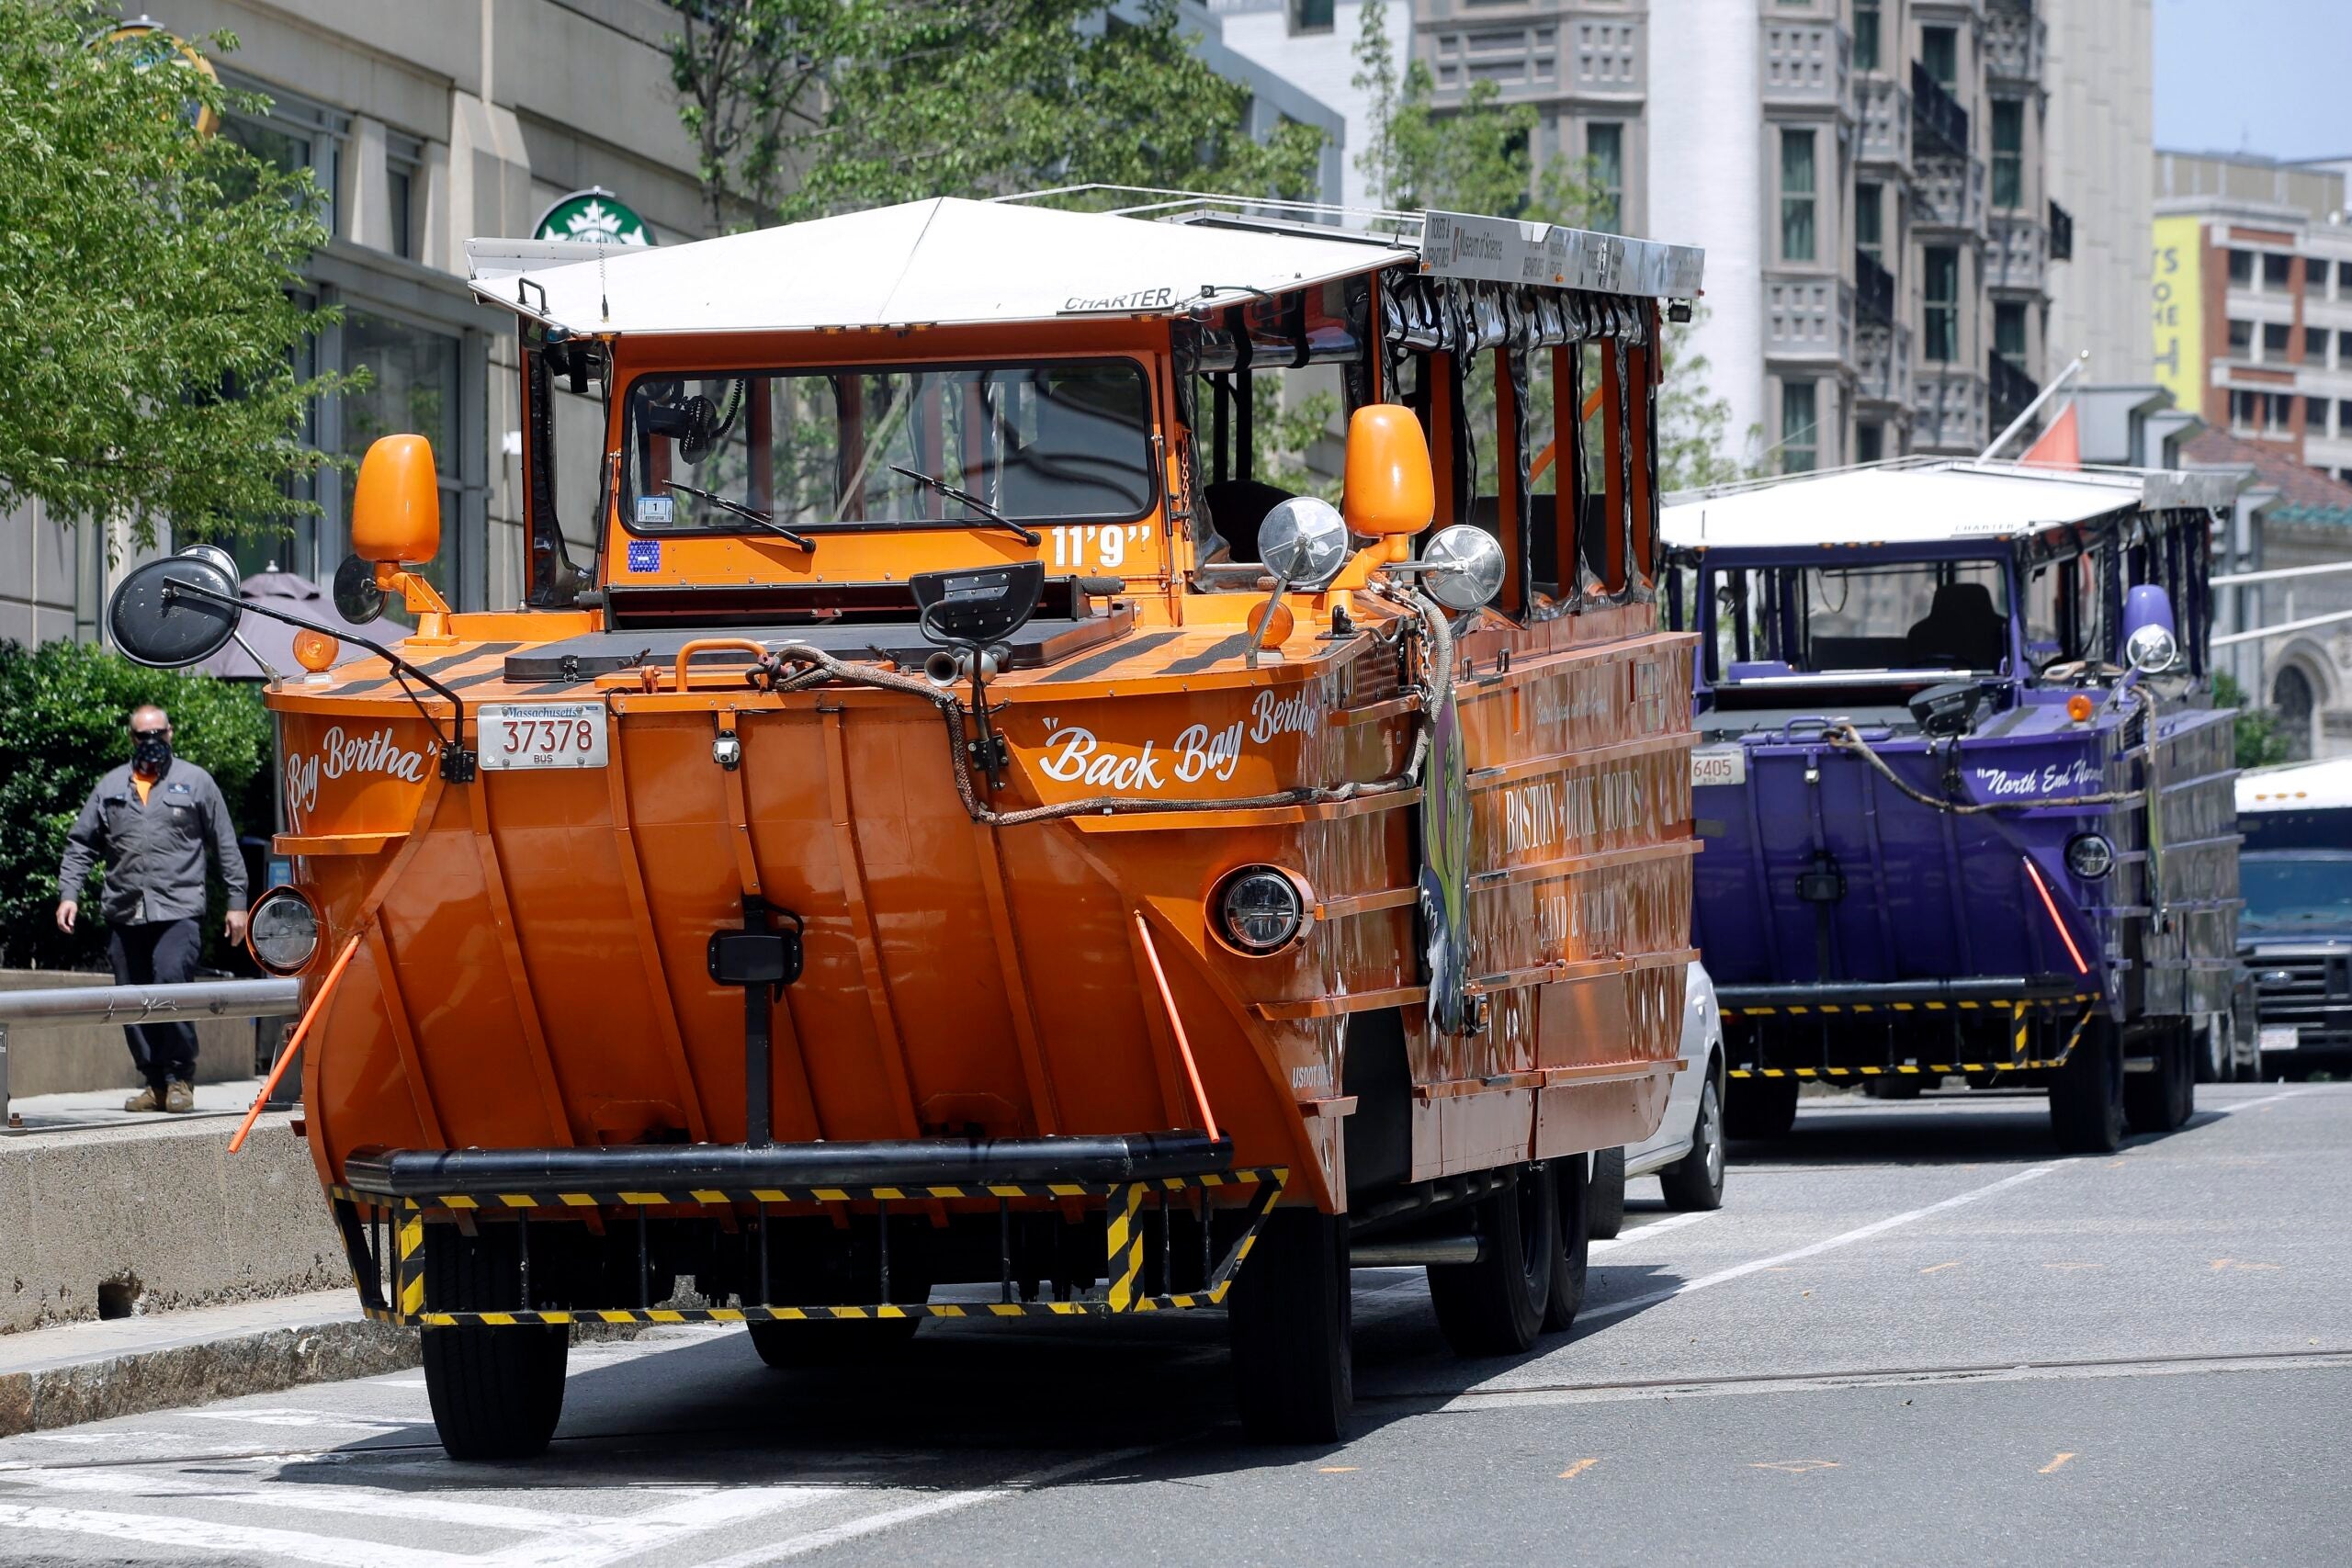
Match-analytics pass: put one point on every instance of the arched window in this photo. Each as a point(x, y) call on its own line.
point(2292, 697)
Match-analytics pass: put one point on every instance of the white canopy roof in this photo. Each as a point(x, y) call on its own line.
point(928, 262)
point(2322, 785)
point(1908, 504)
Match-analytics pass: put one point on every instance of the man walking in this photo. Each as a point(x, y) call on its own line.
point(150, 820)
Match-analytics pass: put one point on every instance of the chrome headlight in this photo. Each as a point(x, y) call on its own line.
point(1257, 910)
point(282, 931)
point(2089, 856)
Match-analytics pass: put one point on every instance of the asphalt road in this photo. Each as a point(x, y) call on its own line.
point(1913, 1335)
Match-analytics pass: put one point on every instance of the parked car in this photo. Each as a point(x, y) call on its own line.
point(1685, 1153)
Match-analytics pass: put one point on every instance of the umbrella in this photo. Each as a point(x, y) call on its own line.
point(274, 641)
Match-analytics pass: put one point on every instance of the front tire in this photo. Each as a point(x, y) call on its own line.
point(1761, 1108)
point(1605, 1197)
point(1696, 1180)
point(1290, 1314)
point(1569, 1275)
point(496, 1393)
point(1496, 1306)
point(2087, 1097)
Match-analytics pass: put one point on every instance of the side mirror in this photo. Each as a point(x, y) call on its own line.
point(396, 505)
point(1463, 567)
point(1391, 492)
point(357, 597)
point(177, 611)
point(1303, 541)
point(2151, 645)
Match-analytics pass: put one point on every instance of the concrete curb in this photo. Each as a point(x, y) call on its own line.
point(162, 1377)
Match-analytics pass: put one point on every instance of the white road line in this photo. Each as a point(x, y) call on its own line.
point(1671, 1223)
point(328, 1498)
point(889, 1519)
point(2237, 1105)
point(612, 1539)
point(1876, 1227)
point(246, 1540)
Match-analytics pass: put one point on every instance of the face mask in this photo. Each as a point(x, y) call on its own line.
point(152, 754)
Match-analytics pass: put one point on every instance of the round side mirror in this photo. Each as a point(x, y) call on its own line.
point(1303, 541)
point(1464, 567)
point(357, 597)
point(156, 623)
point(2153, 650)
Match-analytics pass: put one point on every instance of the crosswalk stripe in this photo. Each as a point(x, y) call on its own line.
point(246, 1540)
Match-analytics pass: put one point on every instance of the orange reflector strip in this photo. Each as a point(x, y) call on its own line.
point(2051, 905)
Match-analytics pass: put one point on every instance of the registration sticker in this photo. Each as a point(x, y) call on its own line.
point(542, 735)
point(656, 508)
point(1718, 765)
point(2280, 1037)
point(645, 555)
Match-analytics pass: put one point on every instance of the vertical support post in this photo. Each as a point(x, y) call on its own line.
point(758, 1052)
point(523, 1271)
point(1004, 1247)
point(882, 1230)
point(7, 1117)
point(644, 1265)
point(767, 1293)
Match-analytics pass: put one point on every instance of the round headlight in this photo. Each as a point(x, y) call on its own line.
point(1258, 909)
point(282, 931)
point(2089, 856)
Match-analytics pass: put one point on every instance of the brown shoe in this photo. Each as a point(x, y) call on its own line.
point(179, 1099)
point(145, 1100)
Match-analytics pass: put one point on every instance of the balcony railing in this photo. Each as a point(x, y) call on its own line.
point(2011, 389)
point(2062, 233)
point(1938, 121)
point(1874, 288)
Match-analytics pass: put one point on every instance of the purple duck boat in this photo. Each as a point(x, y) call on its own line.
point(1966, 807)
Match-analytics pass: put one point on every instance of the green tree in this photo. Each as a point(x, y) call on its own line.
point(804, 107)
point(2260, 741)
point(148, 341)
point(61, 712)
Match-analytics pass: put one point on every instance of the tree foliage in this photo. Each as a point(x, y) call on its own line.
point(2261, 740)
point(804, 107)
point(147, 342)
point(63, 708)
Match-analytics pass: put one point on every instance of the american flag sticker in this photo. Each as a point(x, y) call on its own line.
point(645, 555)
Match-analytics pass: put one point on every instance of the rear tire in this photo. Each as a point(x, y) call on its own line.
point(496, 1393)
point(1696, 1180)
point(1761, 1108)
point(1289, 1315)
point(2162, 1101)
point(2214, 1042)
point(1496, 1306)
point(2087, 1097)
point(1605, 1194)
point(1569, 1184)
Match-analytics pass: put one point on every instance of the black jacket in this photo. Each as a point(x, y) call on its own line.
point(154, 854)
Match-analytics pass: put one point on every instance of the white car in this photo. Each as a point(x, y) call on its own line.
point(1685, 1153)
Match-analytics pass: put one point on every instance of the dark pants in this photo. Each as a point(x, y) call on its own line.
point(159, 953)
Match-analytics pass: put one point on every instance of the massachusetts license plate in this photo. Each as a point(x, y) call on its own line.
point(541, 735)
point(2280, 1036)
point(1718, 765)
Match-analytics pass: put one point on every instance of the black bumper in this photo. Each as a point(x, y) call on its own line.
point(1982, 990)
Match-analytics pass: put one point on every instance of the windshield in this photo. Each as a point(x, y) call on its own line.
point(815, 449)
point(1780, 620)
point(2308, 890)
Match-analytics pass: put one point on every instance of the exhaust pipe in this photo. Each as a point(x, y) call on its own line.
point(1441, 1250)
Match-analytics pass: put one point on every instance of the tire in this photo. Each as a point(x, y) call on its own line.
point(1496, 1306)
point(1761, 1108)
point(2213, 1049)
point(2087, 1097)
point(1605, 1194)
point(1569, 1184)
point(851, 1274)
point(1902, 1086)
point(2162, 1101)
point(496, 1393)
point(1289, 1315)
point(1696, 1180)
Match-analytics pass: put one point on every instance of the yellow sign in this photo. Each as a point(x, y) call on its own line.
point(2178, 313)
point(205, 120)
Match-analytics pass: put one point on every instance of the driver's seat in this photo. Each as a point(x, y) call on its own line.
point(1960, 628)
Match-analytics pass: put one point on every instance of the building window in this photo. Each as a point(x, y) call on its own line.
point(2008, 331)
point(1942, 293)
point(2343, 277)
point(2246, 410)
point(2344, 416)
point(2275, 270)
point(2344, 350)
point(2240, 340)
point(2281, 412)
point(1865, 35)
point(1939, 53)
point(403, 164)
point(2315, 416)
point(1310, 16)
point(1870, 440)
point(1796, 195)
point(2241, 269)
point(2315, 346)
point(2292, 696)
point(1869, 221)
point(2274, 342)
point(412, 390)
point(292, 134)
point(1604, 146)
point(2008, 152)
point(1800, 429)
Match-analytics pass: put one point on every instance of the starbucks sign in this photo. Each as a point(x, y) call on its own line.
point(592, 214)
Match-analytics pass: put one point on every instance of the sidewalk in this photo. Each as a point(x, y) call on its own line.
point(89, 1371)
point(103, 1108)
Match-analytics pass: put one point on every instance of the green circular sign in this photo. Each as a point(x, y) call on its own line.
point(592, 214)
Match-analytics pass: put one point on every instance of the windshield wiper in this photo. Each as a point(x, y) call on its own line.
point(749, 513)
point(1028, 536)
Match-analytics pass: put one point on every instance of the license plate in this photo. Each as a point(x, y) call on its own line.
point(1718, 765)
point(541, 735)
point(2281, 1036)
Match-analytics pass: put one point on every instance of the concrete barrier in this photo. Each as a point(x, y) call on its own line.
point(66, 1059)
point(158, 1216)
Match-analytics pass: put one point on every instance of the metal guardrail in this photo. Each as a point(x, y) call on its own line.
point(141, 1004)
